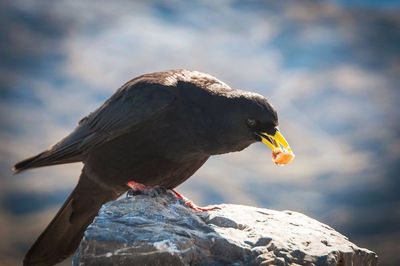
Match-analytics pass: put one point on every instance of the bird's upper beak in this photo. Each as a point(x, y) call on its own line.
point(281, 152)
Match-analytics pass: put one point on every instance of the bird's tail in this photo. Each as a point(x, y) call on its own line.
point(30, 162)
point(46, 158)
point(64, 233)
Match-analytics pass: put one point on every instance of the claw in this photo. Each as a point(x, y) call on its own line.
point(193, 206)
point(137, 187)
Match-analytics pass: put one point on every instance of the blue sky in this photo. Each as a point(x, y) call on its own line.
point(331, 69)
point(369, 3)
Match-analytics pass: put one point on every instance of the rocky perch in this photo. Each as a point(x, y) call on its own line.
point(154, 228)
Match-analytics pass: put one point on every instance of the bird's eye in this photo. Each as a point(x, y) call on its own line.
point(251, 122)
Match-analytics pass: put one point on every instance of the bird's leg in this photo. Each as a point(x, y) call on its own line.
point(137, 186)
point(193, 206)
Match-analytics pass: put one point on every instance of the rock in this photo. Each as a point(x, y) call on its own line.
point(154, 228)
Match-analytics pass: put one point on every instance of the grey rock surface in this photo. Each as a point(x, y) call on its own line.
point(154, 228)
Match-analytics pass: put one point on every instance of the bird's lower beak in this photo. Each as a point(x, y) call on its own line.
point(281, 152)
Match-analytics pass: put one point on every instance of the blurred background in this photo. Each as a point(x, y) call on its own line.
point(331, 68)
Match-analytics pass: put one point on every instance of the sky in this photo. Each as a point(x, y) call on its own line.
point(330, 68)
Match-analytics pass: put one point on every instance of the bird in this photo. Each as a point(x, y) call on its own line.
point(157, 129)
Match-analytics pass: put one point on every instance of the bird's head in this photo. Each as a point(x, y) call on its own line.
point(252, 119)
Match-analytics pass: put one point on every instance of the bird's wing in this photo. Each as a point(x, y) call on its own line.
point(131, 105)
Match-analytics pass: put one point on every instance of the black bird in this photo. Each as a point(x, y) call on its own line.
point(156, 130)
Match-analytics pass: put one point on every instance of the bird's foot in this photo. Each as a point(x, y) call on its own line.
point(137, 186)
point(193, 206)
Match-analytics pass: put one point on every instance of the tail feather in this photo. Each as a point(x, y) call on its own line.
point(46, 158)
point(27, 163)
point(64, 233)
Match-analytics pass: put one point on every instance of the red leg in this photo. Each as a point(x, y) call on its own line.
point(193, 206)
point(136, 186)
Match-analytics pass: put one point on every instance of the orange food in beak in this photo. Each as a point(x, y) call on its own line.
point(282, 154)
point(280, 157)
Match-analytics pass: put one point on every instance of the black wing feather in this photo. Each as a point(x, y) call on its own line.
point(131, 105)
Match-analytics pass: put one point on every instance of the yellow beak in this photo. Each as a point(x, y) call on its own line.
point(281, 152)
